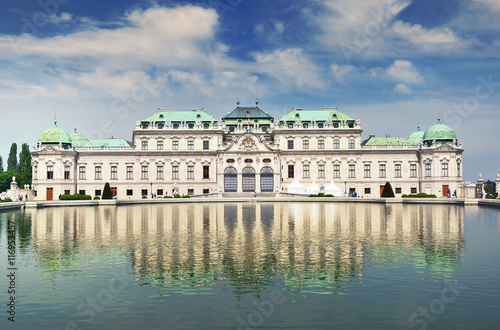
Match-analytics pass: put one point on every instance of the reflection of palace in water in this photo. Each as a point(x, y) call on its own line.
point(246, 243)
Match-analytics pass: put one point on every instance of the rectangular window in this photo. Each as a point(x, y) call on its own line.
point(82, 174)
point(291, 171)
point(159, 192)
point(144, 193)
point(444, 169)
point(398, 190)
point(381, 171)
point(114, 172)
point(413, 170)
point(290, 144)
point(190, 172)
point(98, 173)
point(175, 172)
point(206, 145)
point(458, 170)
point(305, 144)
point(321, 144)
point(397, 170)
point(206, 191)
point(130, 172)
point(159, 172)
point(159, 145)
point(336, 171)
point(206, 172)
point(66, 172)
point(368, 191)
point(144, 145)
point(352, 171)
point(98, 193)
point(413, 190)
point(175, 145)
point(81, 192)
point(35, 172)
point(190, 145)
point(351, 144)
point(367, 172)
point(144, 172)
point(67, 192)
point(130, 192)
point(336, 144)
point(190, 192)
point(321, 171)
point(428, 171)
point(306, 171)
point(50, 172)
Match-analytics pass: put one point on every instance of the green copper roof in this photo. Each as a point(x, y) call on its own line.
point(416, 137)
point(55, 135)
point(384, 141)
point(78, 139)
point(318, 115)
point(246, 112)
point(194, 115)
point(109, 143)
point(439, 132)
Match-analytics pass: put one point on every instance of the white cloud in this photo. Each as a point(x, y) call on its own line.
point(402, 89)
point(290, 67)
point(405, 72)
point(64, 17)
point(493, 5)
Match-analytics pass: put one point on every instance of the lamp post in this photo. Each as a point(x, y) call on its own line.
point(151, 183)
point(345, 188)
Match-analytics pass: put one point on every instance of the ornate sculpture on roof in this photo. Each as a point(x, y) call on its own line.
point(358, 122)
point(328, 122)
point(168, 123)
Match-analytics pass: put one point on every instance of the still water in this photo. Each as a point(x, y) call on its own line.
point(253, 266)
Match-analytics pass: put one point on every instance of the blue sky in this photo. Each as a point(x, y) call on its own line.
point(102, 65)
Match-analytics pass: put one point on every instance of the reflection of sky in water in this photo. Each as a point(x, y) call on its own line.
point(203, 248)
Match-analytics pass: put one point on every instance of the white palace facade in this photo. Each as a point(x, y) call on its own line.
point(193, 153)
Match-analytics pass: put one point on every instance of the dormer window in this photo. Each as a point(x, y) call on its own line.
point(191, 126)
point(320, 125)
point(206, 126)
point(175, 126)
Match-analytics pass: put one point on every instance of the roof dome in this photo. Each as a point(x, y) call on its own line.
point(78, 139)
point(416, 137)
point(440, 133)
point(55, 135)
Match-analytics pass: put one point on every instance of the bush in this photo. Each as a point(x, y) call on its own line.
point(313, 195)
point(186, 196)
point(97, 197)
point(168, 197)
point(177, 196)
point(388, 192)
point(321, 195)
point(419, 195)
point(491, 197)
point(329, 195)
point(75, 197)
point(6, 200)
point(106, 193)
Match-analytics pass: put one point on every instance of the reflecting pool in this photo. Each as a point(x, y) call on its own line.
point(252, 266)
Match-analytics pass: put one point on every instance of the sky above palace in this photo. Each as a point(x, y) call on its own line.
point(395, 64)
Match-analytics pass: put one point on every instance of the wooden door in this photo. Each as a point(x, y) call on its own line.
point(114, 191)
point(381, 190)
point(50, 194)
point(445, 190)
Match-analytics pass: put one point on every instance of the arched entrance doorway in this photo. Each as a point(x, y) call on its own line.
point(230, 180)
point(248, 179)
point(266, 179)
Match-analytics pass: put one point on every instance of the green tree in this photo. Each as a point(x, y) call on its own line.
point(1, 164)
point(5, 180)
point(12, 160)
point(388, 192)
point(24, 166)
point(107, 193)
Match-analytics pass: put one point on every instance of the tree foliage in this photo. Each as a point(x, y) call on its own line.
point(6, 179)
point(107, 193)
point(388, 192)
point(1, 164)
point(12, 160)
point(24, 166)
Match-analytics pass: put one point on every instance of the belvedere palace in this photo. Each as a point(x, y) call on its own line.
point(193, 153)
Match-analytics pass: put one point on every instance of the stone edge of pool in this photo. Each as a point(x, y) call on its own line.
point(43, 204)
